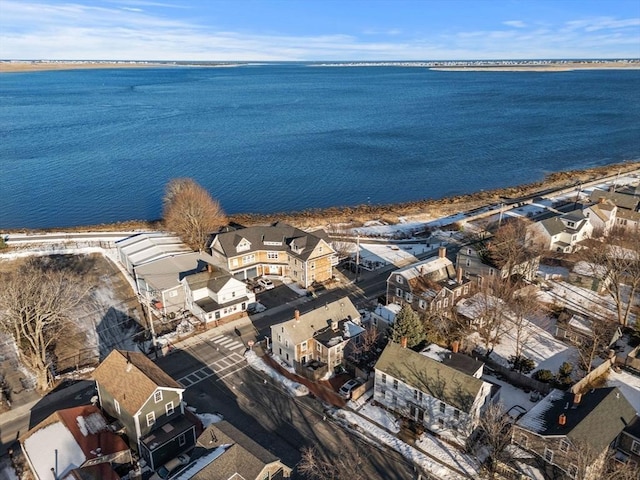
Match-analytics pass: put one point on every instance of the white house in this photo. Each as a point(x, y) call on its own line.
point(561, 233)
point(384, 315)
point(216, 294)
point(442, 398)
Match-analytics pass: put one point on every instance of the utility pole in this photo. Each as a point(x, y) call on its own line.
point(357, 257)
point(154, 341)
point(500, 218)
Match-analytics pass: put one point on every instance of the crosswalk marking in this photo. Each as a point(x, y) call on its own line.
point(214, 368)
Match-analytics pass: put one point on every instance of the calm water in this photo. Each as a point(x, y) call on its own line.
point(93, 146)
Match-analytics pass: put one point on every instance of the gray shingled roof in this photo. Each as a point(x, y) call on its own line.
point(442, 382)
point(244, 457)
point(319, 319)
point(622, 200)
point(597, 420)
point(279, 232)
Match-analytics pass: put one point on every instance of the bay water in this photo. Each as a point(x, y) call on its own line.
point(85, 147)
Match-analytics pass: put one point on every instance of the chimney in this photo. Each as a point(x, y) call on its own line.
point(577, 398)
point(296, 315)
point(602, 200)
point(459, 276)
point(334, 325)
point(403, 342)
point(562, 419)
point(209, 268)
point(455, 346)
point(442, 252)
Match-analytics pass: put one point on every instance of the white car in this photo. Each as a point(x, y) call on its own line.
point(345, 390)
point(265, 283)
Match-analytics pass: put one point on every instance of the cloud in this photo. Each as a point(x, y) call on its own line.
point(391, 32)
point(515, 23)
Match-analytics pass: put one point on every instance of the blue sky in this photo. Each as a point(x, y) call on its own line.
point(299, 30)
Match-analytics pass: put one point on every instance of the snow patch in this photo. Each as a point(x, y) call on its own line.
point(294, 388)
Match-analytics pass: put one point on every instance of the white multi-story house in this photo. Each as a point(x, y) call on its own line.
point(561, 233)
point(442, 398)
point(602, 215)
point(216, 294)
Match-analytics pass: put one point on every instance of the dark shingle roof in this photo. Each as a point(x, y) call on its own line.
point(596, 420)
point(244, 457)
point(430, 376)
point(278, 232)
point(622, 200)
point(131, 378)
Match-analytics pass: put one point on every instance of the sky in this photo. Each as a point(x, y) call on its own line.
point(318, 30)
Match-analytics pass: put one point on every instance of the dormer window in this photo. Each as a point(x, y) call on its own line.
point(399, 278)
point(243, 246)
point(571, 224)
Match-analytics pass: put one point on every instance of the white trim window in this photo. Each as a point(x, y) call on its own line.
point(272, 255)
point(572, 471)
point(635, 447)
point(157, 396)
point(169, 409)
point(151, 419)
point(548, 455)
point(182, 440)
point(303, 346)
point(564, 446)
point(399, 279)
point(116, 405)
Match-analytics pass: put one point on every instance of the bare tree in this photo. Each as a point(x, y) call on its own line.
point(522, 305)
point(341, 241)
point(616, 262)
point(366, 342)
point(495, 426)
point(346, 466)
point(597, 341)
point(588, 463)
point(512, 248)
point(35, 303)
point(490, 312)
point(191, 212)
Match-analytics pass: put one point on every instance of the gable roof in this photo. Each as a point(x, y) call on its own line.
point(622, 200)
point(318, 320)
point(596, 420)
point(276, 237)
point(241, 456)
point(76, 434)
point(214, 280)
point(146, 247)
point(442, 382)
point(131, 378)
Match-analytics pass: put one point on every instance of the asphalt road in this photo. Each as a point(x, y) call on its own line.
point(259, 407)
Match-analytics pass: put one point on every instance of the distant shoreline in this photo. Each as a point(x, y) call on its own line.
point(14, 66)
point(17, 66)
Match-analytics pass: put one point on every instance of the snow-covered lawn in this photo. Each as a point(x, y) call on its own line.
point(380, 416)
point(6, 470)
point(292, 387)
point(368, 430)
point(510, 395)
point(541, 346)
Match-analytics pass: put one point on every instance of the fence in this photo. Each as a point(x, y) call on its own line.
point(593, 374)
point(515, 378)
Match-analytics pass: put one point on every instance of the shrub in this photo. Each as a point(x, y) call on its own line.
point(544, 376)
point(521, 364)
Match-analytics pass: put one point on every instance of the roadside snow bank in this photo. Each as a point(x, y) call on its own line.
point(294, 388)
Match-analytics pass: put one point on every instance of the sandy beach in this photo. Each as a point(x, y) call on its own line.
point(550, 67)
point(37, 66)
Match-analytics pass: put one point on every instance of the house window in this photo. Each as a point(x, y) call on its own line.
point(564, 446)
point(383, 378)
point(446, 302)
point(439, 304)
point(422, 304)
point(320, 249)
point(116, 405)
point(249, 259)
point(182, 439)
point(312, 265)
point(243, 245)
point(395, 384)
point(468, 263)
point(234, 262)
point(151, 418)
point(169, 408)
point(635, 447)
point(303, 346)
point(417, 395)
point(157, 397)
point(465, 290)
point(286, 344)
point(456, 414)
point(408, 297)
point(279, 338)
point(468, 251)
point(442, 407)
point(399, 292)
point(272, 255)
point(399, 279)
point(318, 347)
point(548, 455)
point(441, 422)
point(572, 471)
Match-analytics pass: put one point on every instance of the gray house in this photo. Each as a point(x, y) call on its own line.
point(148, 404)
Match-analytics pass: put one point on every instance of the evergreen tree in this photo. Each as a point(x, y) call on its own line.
point(408, 324)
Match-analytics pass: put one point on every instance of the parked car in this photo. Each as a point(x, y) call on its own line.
point(265, 283)
point(345, 390)
point(172, 467)
point(255, 307)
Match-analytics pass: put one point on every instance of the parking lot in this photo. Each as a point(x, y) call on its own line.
point(279, 295)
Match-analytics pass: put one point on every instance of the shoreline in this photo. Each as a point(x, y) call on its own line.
point(391, 213)
point(17, 66)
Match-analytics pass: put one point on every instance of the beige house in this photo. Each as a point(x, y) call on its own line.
point(561, 233)
point(316, 341)
point(277, 250)
point(601, 215)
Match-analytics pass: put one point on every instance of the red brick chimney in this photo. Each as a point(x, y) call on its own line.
point(296, 315)
point(459, 276)
point(455, 346)
point(562, 419)
point(442, 252)
point(577, 398)
point(403, 342)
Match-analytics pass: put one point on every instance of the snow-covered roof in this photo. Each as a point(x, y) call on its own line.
point(534, 419)
point(426, 267)
point(388, 312)
point(53, 445)
point(589, 269)
point(146, 247)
